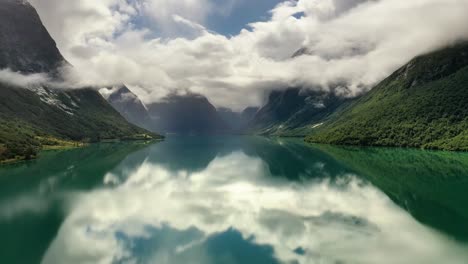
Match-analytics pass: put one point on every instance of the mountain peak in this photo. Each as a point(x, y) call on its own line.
point(25, 44)
point(127, 104)
point(118, 93)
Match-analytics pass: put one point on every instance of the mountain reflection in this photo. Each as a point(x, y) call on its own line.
point(254, 200)
point(430, 185)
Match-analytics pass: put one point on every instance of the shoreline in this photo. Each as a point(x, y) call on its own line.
point(70, 146)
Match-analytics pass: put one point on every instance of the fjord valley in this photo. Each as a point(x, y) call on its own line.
point(233, 132)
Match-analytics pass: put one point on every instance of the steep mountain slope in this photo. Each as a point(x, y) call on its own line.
point(423, 104)
point(294, 112)
point(29, 121)
point(186, 114)
point(76, 115)
point(25, 44)
point(128, 105)
point(34, 116)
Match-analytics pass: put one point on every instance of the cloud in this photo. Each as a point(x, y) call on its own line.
point(165, 16)
point(22, 80)
point(191, 24)
point(158, 46)
point(329, 9)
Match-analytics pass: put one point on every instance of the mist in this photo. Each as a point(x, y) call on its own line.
point(22, 80)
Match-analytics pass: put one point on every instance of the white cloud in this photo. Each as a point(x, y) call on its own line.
point(22, 80)
point(356, 43)
point(163, 12)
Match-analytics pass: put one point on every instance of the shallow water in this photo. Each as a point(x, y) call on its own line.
point(235, 200)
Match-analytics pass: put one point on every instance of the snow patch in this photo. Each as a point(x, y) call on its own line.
point(317, 125)
point(51, 97)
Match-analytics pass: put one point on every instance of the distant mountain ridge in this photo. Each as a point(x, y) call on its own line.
point(237, 121)
point(189, 114)
point(294, 112)
point(423, 104)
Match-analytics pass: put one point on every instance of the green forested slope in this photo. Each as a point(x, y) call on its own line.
point(28, 121)
point(423, 104)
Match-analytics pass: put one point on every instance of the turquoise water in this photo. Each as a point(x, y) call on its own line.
point(235, 200)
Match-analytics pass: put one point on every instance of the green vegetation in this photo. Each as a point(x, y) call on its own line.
point(51, 143)
point(17, 141)
point(422, 105)
point(28, 123)
point(20, 141)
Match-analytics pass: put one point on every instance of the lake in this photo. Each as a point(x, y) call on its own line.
point(235, 200)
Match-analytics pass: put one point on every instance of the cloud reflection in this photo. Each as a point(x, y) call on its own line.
point(159, 215)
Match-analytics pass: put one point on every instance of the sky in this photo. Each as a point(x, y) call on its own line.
point(236, 51)
point(239, 15)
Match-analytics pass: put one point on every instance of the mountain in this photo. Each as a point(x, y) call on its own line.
point(237, 121)
point(128, 105)
point(294, 112)
point(422, 105)
point(175, 114)
point(25, 44)
point(39, 116)
point(186, 114)
point(164, 115)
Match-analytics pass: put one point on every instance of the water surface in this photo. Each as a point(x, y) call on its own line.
point(235, 200)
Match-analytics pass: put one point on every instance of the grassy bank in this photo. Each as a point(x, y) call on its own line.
point(22, 151)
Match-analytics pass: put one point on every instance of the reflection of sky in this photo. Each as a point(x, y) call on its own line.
point(236, 211)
